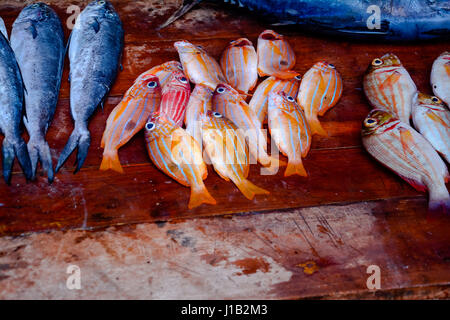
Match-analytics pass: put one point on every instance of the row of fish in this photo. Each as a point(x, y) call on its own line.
point(388, 135)
point(31, 66)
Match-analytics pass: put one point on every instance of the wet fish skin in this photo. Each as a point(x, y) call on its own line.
point(432, 119)
point(405, 151)
point(173, 151)
point(175, 97)
point(11, 111)
point(128, 117)
point(200, 101)
point(95, 48)
point(440, 77)
point(37, 39)
point(3, 28)
point(164, 71)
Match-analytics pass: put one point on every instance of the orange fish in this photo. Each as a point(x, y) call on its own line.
point(388, 86)
point(164, 71)
point(198, 65)
point(440, 77)
point(290, 130)
point(239, 63)
point(128, 117)
point(320, 90)
point(226, 147)
point(275, 56)
point(260, 98)
point(176, 153)
point(175, 97)
point(405, 151)
point(199, 102)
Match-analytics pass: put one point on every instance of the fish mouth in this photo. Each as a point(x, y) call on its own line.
point(241, 42)
point(185, 46)
point(270, 35)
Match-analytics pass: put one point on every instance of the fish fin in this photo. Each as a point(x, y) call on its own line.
point(111, 161)
point(199, 195)
point(248, 189)
point(435, 118)
point(295, 167)
point(39, 149)
point(9, 150)
point(285, 75)
point(95, 25)
point(32, 30)
point(316, 127)
point(391, 80)
point(439, 202)
point(419, 186)
point(81, 139)
point(185, 7)
point(406, 139)
point(447, 68)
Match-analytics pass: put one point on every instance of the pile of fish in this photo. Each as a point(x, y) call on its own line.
point(216, 117)
point(387, 133)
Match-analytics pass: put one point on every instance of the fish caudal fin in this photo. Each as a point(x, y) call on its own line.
point(439, 202)
point(248, 189)
point(295, 167)
point(79, 138)
point(9, 150)
point(111, 161)
point(38, 149)
point(199, 195)
point(316, 127)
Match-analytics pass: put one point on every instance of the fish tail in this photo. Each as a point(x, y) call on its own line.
point(111, 161)
point(38, 149)
point(295, 167)
point(9, 150)
point(316, 127)
point(199, 195)
point(248, 189)
point(439, 202)
point(80, 138)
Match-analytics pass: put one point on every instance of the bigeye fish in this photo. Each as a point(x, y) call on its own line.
point(164, 71)
point(290, 131)
point(129, 117)
point(275, 56)
point(174, 152)
point(95, 48)
point(388, 86)
point(37, 39)
point(405, 151)
point(320, 90)
point(11, 112)
point(432, 119)
point(260, 98)
point(200, 101)
point(175, 97)
point(239, 63)
point(198, 65)
point(226, 147)
point(440, 77)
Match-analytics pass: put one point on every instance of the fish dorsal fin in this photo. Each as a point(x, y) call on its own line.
point(391, 80)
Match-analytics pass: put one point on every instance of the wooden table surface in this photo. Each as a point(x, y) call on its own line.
point(355, 212)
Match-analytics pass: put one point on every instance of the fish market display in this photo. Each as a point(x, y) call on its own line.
point(275, 56)
point(164, 71)
point(389, 86)
point(95, 48)
point(432, 119)
point(260, 98)
point(11, 112)
point(175, 97)
point(440, 77)
point(402, 149)
point(37, 39)
point(198, 65)
point(200, 101)
point(239, 63)
point(227, 149)
point(320, 90)
point(177, 154)
point(129, 117)
point(290, 130)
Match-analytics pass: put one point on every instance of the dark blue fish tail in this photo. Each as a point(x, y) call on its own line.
point(38, 149)
point(80, 138)
point(9, 150)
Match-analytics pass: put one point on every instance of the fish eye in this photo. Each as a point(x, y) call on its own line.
point(289, 98)
point(331, 65)
point(369, 122)
point(152, 84)
point(35, 5)
point(183, 80)
point(149, 126)
point(435, 99)
point(180, 67)
point(377, 62)
point(217, 115)
point(101, 2)
point(220, 90)
point(298, 77)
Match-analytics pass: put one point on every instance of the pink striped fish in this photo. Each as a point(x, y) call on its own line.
point(175, 97)
point(388, 86)
point(275, 56)
point(164, 71)
point(405, 151)
point(198, 65)
point(200, 101)
point(260, 98)
point(432, 119)
point(440, 77)
point(239, 64)
point(320, 90)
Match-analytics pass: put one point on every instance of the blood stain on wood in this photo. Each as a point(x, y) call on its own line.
point(252, 265)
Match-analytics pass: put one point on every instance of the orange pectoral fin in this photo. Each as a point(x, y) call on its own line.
point(406, 139)
point(391, 80)
point(447, 68)
point(435, 118)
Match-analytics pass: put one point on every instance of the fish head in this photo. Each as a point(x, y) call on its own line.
point(148, 82)
point(203, 91)
point(159, 125)
point(225, 93)
point(178, 80)
point(241, 42)
point(171, 66)
point(101, 9)
point(185, 47)
point(281, 100)
point(270, 35)
point(324, 66)
point(376, 120)
point(35, 12)
point(430, 101)
point(388, 60)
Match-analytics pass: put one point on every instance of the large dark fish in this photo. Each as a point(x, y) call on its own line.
point(11, 111)
point(357, 19)
point(95, 48)
point(37, 39)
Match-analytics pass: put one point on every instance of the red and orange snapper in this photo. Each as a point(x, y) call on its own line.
point(432, 119)
point(200, 101)
point(290, 130)
point(320, 90)
point(174, 152)
point(175, 97)
point(230, 104)
point(164, 71)
point(275, 56)
point(405, 151)
point(129, 117)
point(228, 151)
point(198, 65)
point(440, 77)
point(260, 98)
point(388, 86)
point(239, 64)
